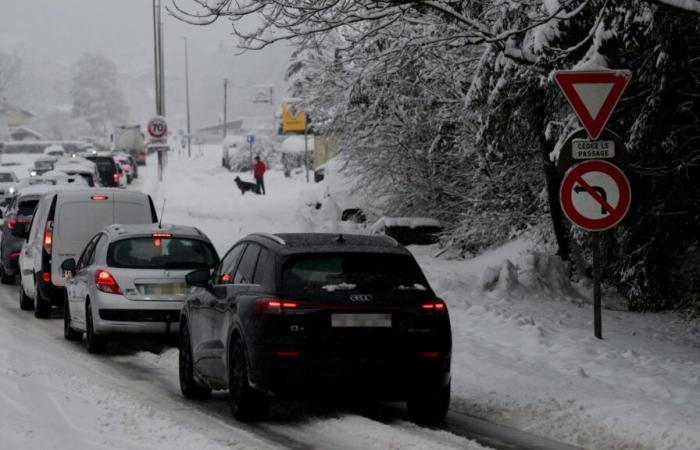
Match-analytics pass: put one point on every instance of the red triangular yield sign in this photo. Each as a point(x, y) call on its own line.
point(593, 95)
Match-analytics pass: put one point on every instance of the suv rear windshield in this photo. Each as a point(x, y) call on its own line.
point(26, 207)
point(105, 164)
point(350, 271)
point(161, 253)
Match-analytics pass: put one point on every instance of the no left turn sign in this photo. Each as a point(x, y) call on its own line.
point(595, 195)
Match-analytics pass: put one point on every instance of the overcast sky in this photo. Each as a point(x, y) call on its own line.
point(122, 30)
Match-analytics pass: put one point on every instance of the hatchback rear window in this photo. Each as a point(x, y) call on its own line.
point(27, 207)
point(336, 272)
point(161, 253)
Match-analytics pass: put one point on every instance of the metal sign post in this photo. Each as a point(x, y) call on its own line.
point(157, 131)
point(595, 194)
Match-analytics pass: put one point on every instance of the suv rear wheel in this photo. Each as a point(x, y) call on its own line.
point(188, 385)
point(429, 407)
point(42, 308)
point(247, 404)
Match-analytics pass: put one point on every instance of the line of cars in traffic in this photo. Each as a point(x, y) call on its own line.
point(279, 316)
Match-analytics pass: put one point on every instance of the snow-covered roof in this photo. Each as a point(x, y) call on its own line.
point(295, 144)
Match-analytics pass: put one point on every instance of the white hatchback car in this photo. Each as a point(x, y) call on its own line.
point(131, 279)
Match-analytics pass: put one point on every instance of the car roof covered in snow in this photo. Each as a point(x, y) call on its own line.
point(293, 243)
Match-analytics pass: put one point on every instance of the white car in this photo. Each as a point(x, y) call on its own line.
point(52, 178)
point(131, 279)
point(8, 186)
point(55, 150)
point(79, 166)
point(63, 223)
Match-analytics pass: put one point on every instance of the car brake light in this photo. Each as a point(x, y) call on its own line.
point(127, 166)
point(98, 197)
point(273, 306)
point(46, 277)
point(106, 282)
point(286, 354)
point(11, 224)
point(15, 254)
point(430, 354)
point(434, 306)
point(162, 235)
point(48, 237)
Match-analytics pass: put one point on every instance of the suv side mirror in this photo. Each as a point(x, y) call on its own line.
point(68, 266)
point(21, 231)
point(199, 278)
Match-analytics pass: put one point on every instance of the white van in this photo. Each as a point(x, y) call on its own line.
point(62, 225)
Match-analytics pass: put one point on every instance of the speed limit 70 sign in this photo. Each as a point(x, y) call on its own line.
point(157, 127)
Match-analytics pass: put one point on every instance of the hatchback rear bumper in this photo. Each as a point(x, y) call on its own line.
point(116, 314)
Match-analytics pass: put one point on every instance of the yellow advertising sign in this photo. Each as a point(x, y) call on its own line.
point(292, 121)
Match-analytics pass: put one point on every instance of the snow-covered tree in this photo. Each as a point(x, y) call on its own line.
point(97, 97)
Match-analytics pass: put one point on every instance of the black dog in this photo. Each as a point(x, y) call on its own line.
point(246, 186)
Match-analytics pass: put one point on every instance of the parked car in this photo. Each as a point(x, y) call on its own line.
point(62, 225)
point(55, 178)
point(55, 150)
point(43, 164)
point(131, 279)
point(79, 166)
point(8, 185)
point(108, 169)
point(20, 211)
point(287, 315)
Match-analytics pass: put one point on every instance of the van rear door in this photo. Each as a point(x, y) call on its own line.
point(132, 208)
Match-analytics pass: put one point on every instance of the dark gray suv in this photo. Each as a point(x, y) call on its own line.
point(293, 315)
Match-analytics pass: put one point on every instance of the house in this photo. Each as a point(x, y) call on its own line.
point(13, 117)
point(24, 133)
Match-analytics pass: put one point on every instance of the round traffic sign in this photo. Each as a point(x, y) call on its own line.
point(157, 127)
point(595, 195)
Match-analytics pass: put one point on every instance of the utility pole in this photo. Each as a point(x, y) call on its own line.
point(187, 95)
point(225, 106)
point(159, 74)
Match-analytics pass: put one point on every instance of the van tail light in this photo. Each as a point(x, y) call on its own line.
point(48, 237)
point(106, 282)
point(434, 306)
point(273, 305)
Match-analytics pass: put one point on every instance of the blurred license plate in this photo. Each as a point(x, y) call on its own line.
point(361, 320)
point(163, 290)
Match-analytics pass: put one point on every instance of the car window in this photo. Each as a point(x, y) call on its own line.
point(85, 257)
point(161, 253)
point(244, 272)
point(261, 266)
point(6, 178)
point(27, 207)
point(224, 274)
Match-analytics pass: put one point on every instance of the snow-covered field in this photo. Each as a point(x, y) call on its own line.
point(524, 354)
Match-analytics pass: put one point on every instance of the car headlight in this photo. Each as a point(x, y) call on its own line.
point(32, 173)
point(12, 190)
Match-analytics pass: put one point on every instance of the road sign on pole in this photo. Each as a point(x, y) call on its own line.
point(250, 139)
point(157, 128)
point(595, 195)
point(593, 95)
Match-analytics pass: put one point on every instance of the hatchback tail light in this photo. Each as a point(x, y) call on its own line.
point(48, 237)
point(106, 282)
point(274, 305)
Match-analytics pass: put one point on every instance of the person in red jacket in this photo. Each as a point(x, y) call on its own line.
point(259, 169)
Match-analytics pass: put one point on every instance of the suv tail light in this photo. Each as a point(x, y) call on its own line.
point(48, 237)
point(274, 305)
point(106, 282)
point(434, 306)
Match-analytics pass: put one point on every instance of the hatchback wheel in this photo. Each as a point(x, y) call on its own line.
point(68, 332)
point(25, 303)
point(188, 385)
point(430, 407)
point(95, 344)
point(42, 308)
point(247, 404)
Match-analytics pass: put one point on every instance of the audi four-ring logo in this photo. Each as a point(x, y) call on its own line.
point(360, 298)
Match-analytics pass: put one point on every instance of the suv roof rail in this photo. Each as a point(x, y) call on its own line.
point(272, 237)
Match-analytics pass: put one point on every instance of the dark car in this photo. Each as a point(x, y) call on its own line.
point(293, 315)
point(107, 169)
point(19, 211)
